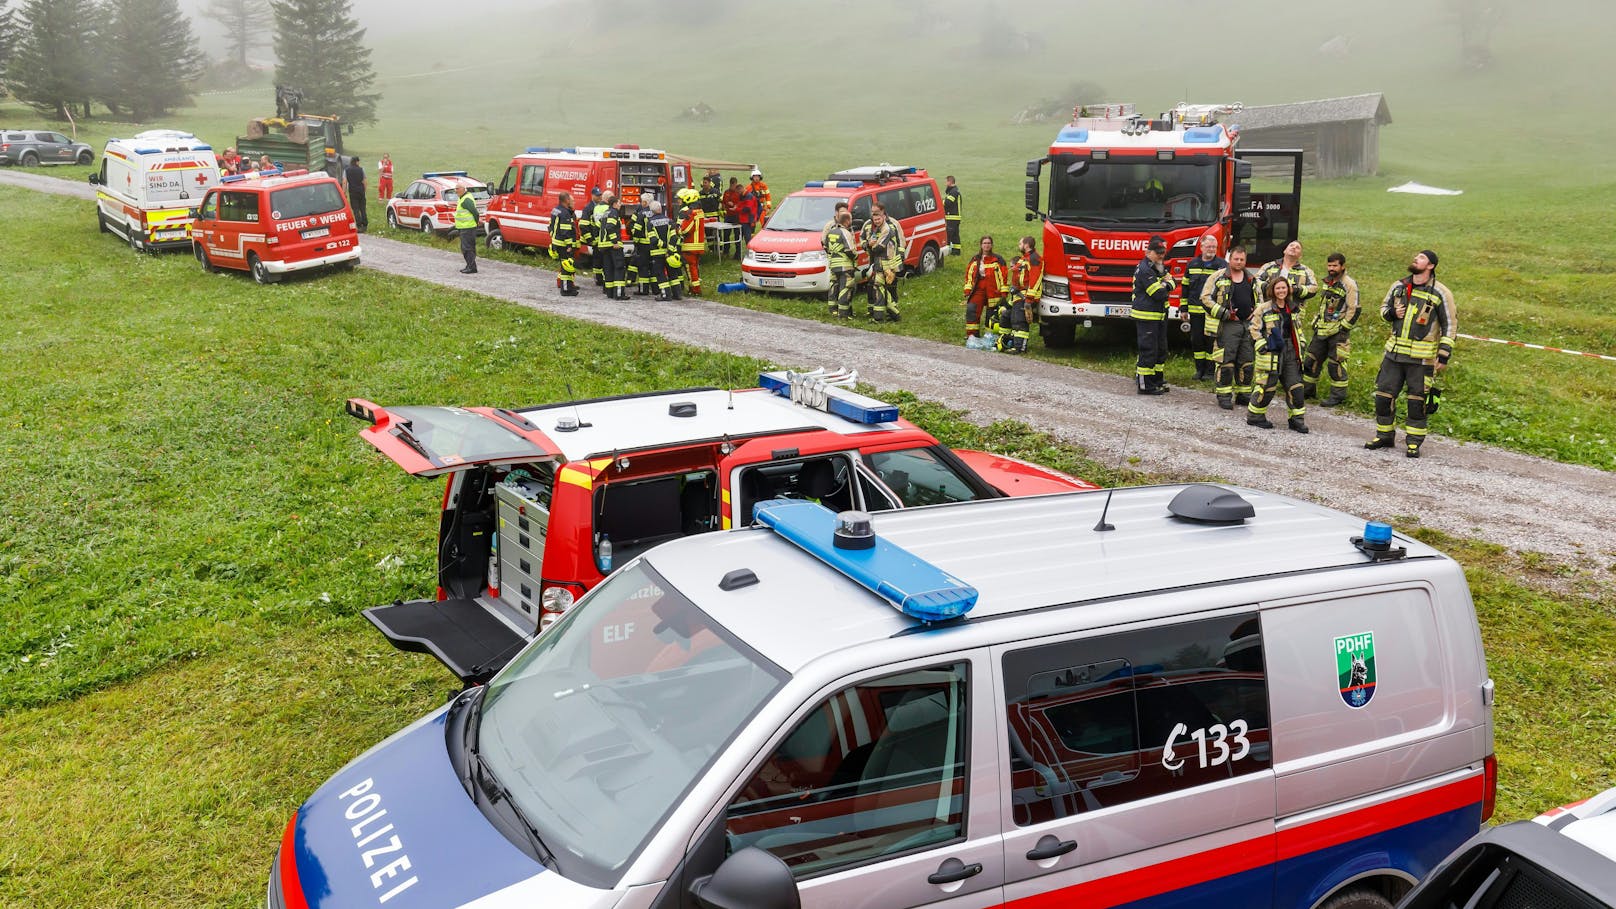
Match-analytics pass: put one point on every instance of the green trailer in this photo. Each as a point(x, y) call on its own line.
point(309, 141)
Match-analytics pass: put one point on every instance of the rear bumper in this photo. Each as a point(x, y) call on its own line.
point(281, 267)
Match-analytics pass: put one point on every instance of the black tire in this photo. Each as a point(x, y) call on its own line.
point(392, 218)
point(1059, 334)
point(349, 265)
point(202, 257)
point(101, 223)
point(496, 240)
point(259, 272)
point(86, 158)
point(29, 159)
point(134, 240)
point(930, 259)
point(426, 225)
point(1358, 897)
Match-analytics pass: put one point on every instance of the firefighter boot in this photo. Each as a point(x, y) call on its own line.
point(1226, 402)
point(1413, 449)
point(1298, 424)
point(1379, 442)
point(1337, 396)
point(1258, 420)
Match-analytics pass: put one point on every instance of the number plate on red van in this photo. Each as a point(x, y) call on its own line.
point(318, 232)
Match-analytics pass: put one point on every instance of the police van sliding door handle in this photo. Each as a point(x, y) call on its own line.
point(953, 870)
point(1049, 846)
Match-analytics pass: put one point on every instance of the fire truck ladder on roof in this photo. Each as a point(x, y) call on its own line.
point(877, 173)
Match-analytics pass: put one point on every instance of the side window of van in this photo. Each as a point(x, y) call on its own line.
point(877, 769)
point(210, 207)
point(533, 179)
point(507, 183)
point(896, 202)
point(861, 211)
point(238, 207)
point(1097, 722)
point(925, 201)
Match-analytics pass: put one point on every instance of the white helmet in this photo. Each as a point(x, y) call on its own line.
point(756, 172)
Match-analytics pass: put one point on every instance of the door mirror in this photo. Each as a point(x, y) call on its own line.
point(1034, 167)
point(749, 879)
point(95, 179)
point(1032, 195)
point(399, 194)
point(193, 213)
point(1241, 199)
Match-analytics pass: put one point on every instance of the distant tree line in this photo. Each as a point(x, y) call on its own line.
point(140, 59)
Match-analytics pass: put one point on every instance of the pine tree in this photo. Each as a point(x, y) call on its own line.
point(51, 68)
point(244, 24)
point(149, 58)
point(322, 54)
point(10, 33)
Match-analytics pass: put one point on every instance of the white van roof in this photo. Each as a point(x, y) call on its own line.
point(157, 141)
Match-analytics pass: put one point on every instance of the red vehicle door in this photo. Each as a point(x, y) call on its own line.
point(204, 226)
point(430, 441)
point(238, 212)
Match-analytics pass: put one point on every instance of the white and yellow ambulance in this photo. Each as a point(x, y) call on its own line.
point(148, 185)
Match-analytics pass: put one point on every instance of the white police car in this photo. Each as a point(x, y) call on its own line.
point(1161, 696)
point(1564, 859)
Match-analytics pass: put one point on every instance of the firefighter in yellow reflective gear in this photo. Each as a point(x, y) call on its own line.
point(842, 251)
point(1152, 285)
point(587, 229)
point(692, 237)
point(1304, 284)
point(467, 222)
point(1423, 322)
point(564, 244)
point(662, 248)
point(609, 248)
point(1276, 338)
point(951, 215)
point(1026, 292)
point(987, 279)
point(1332, 331)
point(1196, 271)
point(1230, 297)
point(882, 238)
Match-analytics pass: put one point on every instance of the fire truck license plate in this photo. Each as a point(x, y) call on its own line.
point(771, 282)
point(318, 232)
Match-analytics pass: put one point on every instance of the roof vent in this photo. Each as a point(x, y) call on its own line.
point(1207, 504)
point(682, 409)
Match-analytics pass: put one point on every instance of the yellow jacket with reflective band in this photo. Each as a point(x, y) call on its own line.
point(1152, 285)
point(1338, 307)
point(465, 212)
point(1196, 271)
point(840, 247)
point(1426, 330)
point(1215, 297)
point(1304, 283)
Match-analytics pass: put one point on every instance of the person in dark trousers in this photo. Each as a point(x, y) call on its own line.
point(466, 223)
point(1196, 272)
point(1331, 343)
point(1276, 338)
point(1230, 297)
point(564, 244)
point(951, 215)
point(666, 256)
point(609, 245)
point(1424, 322)
point(1152, 285)
point(354, 173)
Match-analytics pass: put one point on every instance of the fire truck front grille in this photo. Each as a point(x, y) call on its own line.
point(1110, 296)
point(1111, 271)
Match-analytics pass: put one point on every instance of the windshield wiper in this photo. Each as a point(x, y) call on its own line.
point(497, 793)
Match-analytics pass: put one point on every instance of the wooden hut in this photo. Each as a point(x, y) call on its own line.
point(1339, 137)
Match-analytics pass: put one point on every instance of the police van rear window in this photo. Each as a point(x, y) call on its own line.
point(302, 201)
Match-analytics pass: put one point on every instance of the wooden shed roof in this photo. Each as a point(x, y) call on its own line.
point(1306, 113)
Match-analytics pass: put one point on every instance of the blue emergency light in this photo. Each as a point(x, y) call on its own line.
point(443, 173)
point(847, 543)
point(1203, 135)
point(148, 151)
point(1070, 134)
point(813, 390)
point(832, 184)
point(1377, 532)
point(271, 172)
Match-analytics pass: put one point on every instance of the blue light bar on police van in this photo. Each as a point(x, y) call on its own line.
point(443, 173)
point(253, 175)
point(830, 392)
point(916, 587)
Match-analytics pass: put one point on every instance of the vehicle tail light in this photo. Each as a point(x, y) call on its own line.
point(555, 600)
point(1489, 786)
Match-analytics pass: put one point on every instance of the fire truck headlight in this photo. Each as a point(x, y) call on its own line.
point(812, 255)
point(1074, 247)
point(1057, 290)
point(1184, 247)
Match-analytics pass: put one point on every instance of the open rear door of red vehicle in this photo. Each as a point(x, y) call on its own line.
point(428, 441)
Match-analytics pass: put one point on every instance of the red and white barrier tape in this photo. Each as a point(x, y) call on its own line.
point(1577, 353)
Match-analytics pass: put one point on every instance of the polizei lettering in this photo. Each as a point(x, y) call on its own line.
point(379, 847)
point(1100, 243)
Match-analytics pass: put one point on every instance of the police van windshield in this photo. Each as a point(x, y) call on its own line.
point(1132, 190)
point(603, 725)
point(803, 213)
point(305, 200)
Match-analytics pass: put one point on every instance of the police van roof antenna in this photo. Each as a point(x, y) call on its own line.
point(576, 415)
point(1101, 526)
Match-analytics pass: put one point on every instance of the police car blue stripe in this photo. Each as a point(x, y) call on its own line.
point(396, 828)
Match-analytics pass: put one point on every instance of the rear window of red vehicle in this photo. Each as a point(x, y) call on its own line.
point(302, 201)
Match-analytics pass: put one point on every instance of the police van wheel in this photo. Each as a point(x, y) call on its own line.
point(1357, 898)
point(930, 258)
point(496, 240)
point(392, 219)
point(86, 158)
point(259, 272)
point(202, 257)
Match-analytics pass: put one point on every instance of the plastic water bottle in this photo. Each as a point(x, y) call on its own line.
point(493, 563)
point(603, 555)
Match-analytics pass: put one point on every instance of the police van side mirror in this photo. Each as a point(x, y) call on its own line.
point(749, 879)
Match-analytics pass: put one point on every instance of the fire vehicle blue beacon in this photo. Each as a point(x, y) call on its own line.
point(1007, 701)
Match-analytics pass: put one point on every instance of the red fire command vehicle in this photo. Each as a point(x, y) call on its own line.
point(541, 503)
point(519, 212)
point(271, 223)
point(787, 255)
point(1117, 178)
point(429, 203)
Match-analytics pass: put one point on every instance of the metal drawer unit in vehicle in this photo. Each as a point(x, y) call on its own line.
point(523, 522)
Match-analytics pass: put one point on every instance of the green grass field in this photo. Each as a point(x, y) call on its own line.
point(194, 526)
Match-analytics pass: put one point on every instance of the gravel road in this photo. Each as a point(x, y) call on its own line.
point(1525, 503)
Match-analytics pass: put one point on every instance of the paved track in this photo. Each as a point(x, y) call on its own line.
point(1516, 500)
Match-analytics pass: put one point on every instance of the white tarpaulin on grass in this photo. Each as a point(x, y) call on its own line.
point(1420, 189)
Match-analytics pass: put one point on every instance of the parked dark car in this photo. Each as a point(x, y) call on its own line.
point(32, 147)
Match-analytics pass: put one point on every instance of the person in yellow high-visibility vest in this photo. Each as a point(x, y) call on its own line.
point(466, 222)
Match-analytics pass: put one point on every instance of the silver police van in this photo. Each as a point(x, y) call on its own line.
point(1158, 696)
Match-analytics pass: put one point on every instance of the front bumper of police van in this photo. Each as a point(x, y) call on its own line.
point(281, 267)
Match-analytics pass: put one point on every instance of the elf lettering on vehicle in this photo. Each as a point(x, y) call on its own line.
point(335, 217)
point(1101, 243)
point(376, 840)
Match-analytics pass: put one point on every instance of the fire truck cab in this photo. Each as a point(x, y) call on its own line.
point(1117, 178)
point(519, 211)
point(542, 502)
